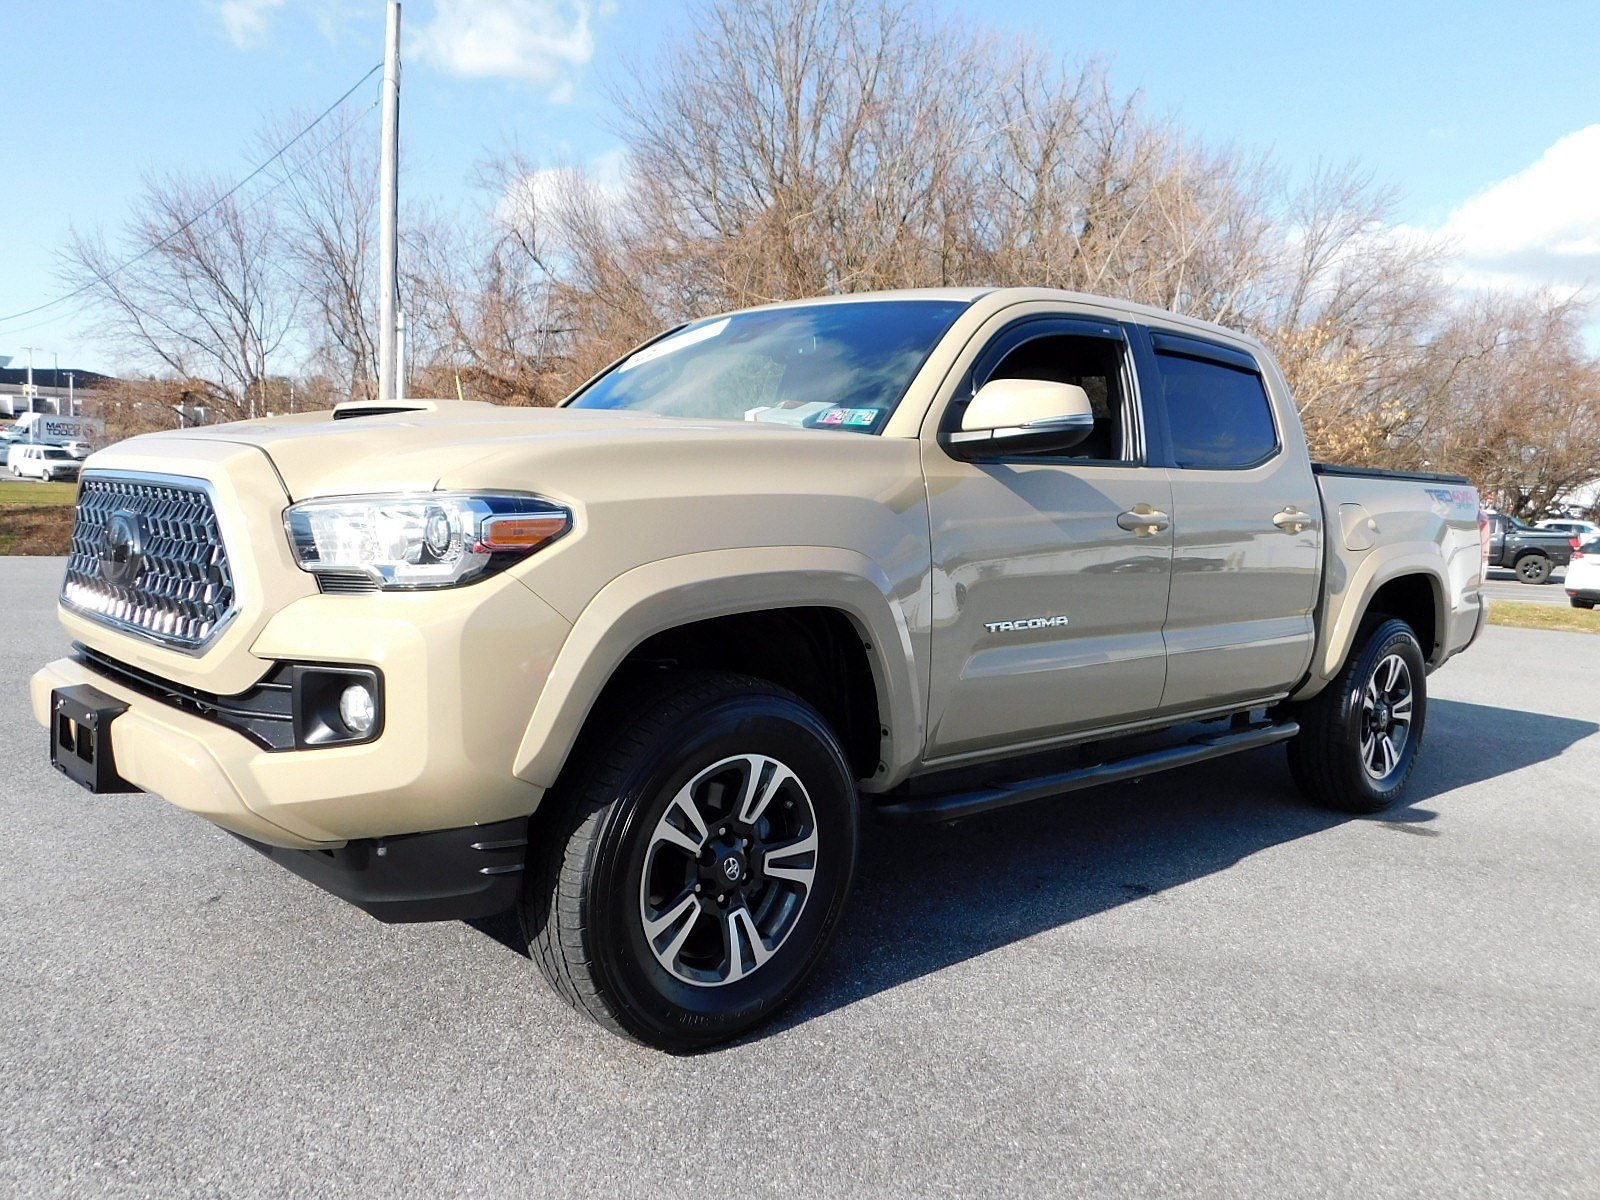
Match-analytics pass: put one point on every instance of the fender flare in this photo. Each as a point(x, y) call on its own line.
point(1344, 612)
point(670, 592)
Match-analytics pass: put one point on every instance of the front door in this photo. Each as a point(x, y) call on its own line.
point(1049, 592)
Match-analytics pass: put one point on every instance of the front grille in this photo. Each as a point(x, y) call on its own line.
point(147, 557)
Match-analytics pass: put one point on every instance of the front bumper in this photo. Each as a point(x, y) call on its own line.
point(446, 875)
point(462, 672)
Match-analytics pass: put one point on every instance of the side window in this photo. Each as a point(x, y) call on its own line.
point(1218, 415)
point(1095, 364)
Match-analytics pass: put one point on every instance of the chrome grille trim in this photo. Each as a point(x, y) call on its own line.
point(183, 594)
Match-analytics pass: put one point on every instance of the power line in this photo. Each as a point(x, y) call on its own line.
point(288, 177)
point(212, 207)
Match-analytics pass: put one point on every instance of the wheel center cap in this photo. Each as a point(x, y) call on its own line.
point(730, 867)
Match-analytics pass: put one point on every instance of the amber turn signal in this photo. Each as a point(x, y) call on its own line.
point(521, 532)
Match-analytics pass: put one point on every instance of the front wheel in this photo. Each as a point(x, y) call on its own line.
point(1359, 737)
point(1576, 603)
point(696, 857)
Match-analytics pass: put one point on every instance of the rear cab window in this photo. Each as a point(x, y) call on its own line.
point(1219, 417)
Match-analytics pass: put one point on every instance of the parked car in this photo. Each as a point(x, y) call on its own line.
point(1583, 574)
point(1582, 530)
point(78, 450)
point(1532, 553)
point(49, 463)
point(636, 666)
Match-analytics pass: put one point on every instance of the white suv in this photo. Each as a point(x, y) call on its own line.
point(1583, 574)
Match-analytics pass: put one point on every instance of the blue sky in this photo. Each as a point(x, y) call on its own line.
point(1487, 120)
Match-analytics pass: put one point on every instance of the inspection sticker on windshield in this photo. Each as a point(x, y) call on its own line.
point(677, 341)
point(848, 416)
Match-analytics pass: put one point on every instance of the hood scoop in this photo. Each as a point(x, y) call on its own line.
point(386, 408)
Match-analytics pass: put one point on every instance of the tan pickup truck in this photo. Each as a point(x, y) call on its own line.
point(638, 665)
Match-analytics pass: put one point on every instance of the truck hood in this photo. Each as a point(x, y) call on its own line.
point(436, 446)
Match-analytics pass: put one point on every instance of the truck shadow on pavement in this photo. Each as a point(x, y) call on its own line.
point(928, 897)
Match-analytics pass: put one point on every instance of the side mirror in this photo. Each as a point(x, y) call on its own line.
point(1023, 414)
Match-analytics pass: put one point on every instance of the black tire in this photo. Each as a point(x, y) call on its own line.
point(1576, 603)
point(601, 858)
point(1533, 568)
point(1332, 761)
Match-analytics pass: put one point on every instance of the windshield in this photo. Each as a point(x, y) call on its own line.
point(820, 366)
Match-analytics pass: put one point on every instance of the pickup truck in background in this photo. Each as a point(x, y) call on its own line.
point(636, 666)
point(1532, 553)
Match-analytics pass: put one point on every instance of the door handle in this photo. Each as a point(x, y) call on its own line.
point(1143, 520)
point(1291, 520)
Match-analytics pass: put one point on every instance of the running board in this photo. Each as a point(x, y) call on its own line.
point(947, 806)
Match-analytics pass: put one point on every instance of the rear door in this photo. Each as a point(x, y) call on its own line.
point(1247, 515)
point(1049, 593)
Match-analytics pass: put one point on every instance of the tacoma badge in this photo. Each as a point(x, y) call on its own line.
point(1024, 623)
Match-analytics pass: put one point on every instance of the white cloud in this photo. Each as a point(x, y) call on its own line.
point(544, 42)
point(1538, 228)
point(539, 199)
point(246, 20)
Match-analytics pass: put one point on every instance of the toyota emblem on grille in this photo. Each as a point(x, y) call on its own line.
point(121, 547)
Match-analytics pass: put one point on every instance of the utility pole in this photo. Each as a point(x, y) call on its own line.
point(400, 355)
point(72, 398)
point(29, 390)
point(389, 386)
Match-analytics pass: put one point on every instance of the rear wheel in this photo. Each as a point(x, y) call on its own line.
point(1359, 737)
point(697, 855)
point(1533, 568)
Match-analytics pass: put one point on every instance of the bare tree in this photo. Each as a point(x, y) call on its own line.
point(1522, 412)
point(198, 286)
point(325, 188)
point(789, 148)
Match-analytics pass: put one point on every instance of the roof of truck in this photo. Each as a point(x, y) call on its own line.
point(1000, 297)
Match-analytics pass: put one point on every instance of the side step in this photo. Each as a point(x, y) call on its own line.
point(947, 806)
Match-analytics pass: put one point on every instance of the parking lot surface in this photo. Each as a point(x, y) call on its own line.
point(1502, 584)
point(1191, 986)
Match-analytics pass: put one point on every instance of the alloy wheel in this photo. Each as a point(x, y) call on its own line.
point(728, 870)
point(1386, 707)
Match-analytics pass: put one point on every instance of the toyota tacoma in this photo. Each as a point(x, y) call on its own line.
point(638, 665)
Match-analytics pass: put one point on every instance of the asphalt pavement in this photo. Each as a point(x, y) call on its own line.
point(1503, 584)
point(1196, 985)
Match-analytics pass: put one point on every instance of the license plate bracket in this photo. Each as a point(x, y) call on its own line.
point(80, 737)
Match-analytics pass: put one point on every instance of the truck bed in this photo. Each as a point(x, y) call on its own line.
point(1380, 525)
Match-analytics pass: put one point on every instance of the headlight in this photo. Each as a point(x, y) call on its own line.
point(421, 539)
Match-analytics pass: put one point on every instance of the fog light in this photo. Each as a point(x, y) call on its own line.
point(358, 709)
